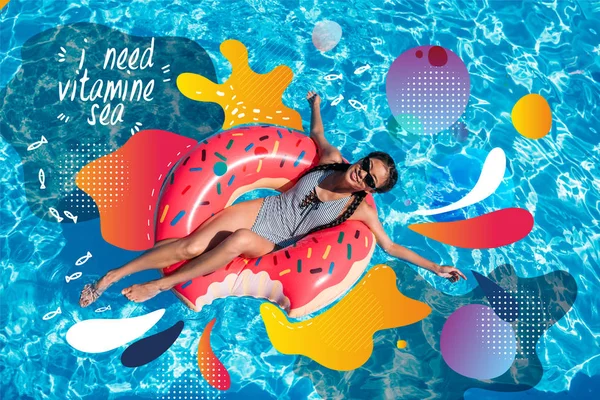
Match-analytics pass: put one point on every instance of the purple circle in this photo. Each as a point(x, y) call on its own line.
point(427, 99)
point(478, 344)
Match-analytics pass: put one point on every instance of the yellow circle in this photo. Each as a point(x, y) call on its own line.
point(532, 117)
point(401, 344)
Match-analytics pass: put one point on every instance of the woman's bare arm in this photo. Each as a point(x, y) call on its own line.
point(368, 215)
point(327, 153)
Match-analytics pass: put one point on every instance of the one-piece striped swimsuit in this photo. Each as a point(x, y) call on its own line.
point(281, 219)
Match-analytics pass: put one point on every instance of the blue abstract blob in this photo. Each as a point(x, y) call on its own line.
point(150, 348)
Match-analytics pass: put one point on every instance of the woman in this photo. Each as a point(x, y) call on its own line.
point(325, 196)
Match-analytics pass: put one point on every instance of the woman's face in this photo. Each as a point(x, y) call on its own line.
point(358, 177)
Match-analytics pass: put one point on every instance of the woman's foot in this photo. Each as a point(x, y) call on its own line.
point(91, 292)
point(142, 292)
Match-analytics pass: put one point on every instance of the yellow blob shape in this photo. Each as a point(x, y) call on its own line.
point(342, 337)
point(532, 117)
point(246, 97)
point(401, 344)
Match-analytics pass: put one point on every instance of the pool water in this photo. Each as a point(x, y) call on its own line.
point(510, 48)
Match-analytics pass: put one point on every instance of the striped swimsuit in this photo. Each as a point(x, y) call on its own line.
point(281, 219)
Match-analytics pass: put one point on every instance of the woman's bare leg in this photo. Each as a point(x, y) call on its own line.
point(242, 241)
point(170, 251)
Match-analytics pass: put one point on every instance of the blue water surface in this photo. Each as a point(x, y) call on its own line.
point(511, 48)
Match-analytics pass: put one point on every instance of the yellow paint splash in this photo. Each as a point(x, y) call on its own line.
point(246, 97)
point(342, 337)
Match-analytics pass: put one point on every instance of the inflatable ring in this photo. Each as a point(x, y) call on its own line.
point(302, 278)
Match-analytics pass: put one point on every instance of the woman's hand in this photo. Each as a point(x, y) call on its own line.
point(313, 99)
point(450, 273)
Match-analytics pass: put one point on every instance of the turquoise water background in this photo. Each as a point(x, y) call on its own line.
point(511, 48)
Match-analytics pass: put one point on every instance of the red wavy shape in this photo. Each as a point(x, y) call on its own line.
point(496, 229)
point(211, 368)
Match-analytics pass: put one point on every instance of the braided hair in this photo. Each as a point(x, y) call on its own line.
point(358, 196)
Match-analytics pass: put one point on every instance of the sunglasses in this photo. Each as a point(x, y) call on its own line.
point(366, 166)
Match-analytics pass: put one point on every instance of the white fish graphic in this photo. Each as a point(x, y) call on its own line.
point(55, 214)
point(337, 100)
point(357, 105)
point(71, 216)
point(35, 145)
point(51, 314)
point(83, 259)
point(333, 77)
point(102, 309)
point(72, 277)
point(42, 178)
point(362, 69)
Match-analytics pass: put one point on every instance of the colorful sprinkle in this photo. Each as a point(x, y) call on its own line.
point(259, 166)
point(229, 144)
point(366, 241)
point(331, 267)
point(299, 266)
point(220, 156)
point(164, 214)
point(186, 189)
point(195, 169)
point(275, 260)
point(263, 138)
point(298, 142)
point(279, 133)
point(205, 203)
point(251, 145)
point(185, 161)
point(257, 261)
point(309, 252)
point(237, 134)
point(205, 141)
point(172, 178)
point(299, 158)
point(276, 147)
point(326, 252)
point(287, 254)
point(316, 270)
point(341, 237)
point(356, 234)
point(231, 180)
point(315, 240)
point(203, 154)
point(188, 283)
point(261, 152)
point(285, 272)
point(177, 217)
point(220, 168)
point(219, 188)
point(282, 162)
point(349, 251)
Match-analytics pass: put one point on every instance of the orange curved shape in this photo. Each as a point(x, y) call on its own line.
point(211, 367)
point(498, 228)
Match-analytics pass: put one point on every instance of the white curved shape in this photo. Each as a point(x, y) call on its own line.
point(490, 178)
point(100, 335)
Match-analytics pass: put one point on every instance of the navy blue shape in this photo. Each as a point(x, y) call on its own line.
point(503, 303)
point(149, 349)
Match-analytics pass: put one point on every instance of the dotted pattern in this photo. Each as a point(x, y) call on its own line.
point(189, 386)
point(435, 98)
point(504, 305)
point(532, 323)
point(497, 337)
point(108, 178)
